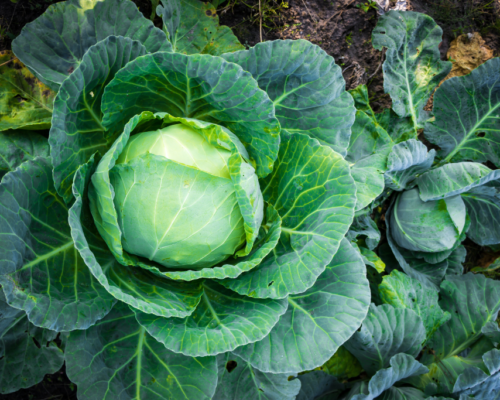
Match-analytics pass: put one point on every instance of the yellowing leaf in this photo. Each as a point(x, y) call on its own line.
point(25, 102)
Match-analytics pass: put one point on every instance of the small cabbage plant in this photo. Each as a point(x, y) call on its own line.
point(203, 219)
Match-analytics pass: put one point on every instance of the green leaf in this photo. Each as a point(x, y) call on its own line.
point(19, 146)
point(406, 161)
point(399, 129)
point(483, 207)
point(193, 27)
point(473, 301)
point(364, 226)
point(27, 352)
point(401, 291)
point(467, 111)
point(238, 380)
point(117, 357)
point(492, 331)
point(342, 365)
point(312, 190)
point(222, 321)
point(372, 259)
point(456, 261)
point(134, 286)
point(385, 332)
point(224, 41)
point(402, 366)
point(77, 131)
point(315, 384)
point(483, 387)
point(53, 45)
point(449, 372)
point(317, 321)
point(367, 153)
point(452, 179)
point(25, 102)
point(187, 86)
point(413, 66)
point(403, 393)
point(40, 270)
point(306, 87)
point(427, 227)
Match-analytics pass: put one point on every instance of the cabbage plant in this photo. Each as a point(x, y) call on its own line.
point(203, 219)
point(193, 207)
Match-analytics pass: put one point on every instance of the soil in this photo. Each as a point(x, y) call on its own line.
point(340, 27)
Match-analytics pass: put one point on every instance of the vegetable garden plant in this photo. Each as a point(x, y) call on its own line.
point(201, 221)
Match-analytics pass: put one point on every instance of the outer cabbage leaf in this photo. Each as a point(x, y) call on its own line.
point(456, 261)
point(317, 321)
point(238, 380)
point(401, 291)
point(452, 179)
point(117, 359)
point(367, 153)
point(193, 27)
point(54, 44)
point(429, 227)
point(385, 332)
point(483, 207)
point(27, 352)
point(405, 162)
point(200, 87)
point(318, 385)
point(483, 386)
point(492, 331)
point(403, 393)
point(473, 301)
point(313, 192)
point(402, 366)
point(25, 102)
point(19, 146)
point(40, 270)
point(467, 111)
point(413, 66)
point(134, 286)
point(77, 131)
point(222, 321)
point(306, 88)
